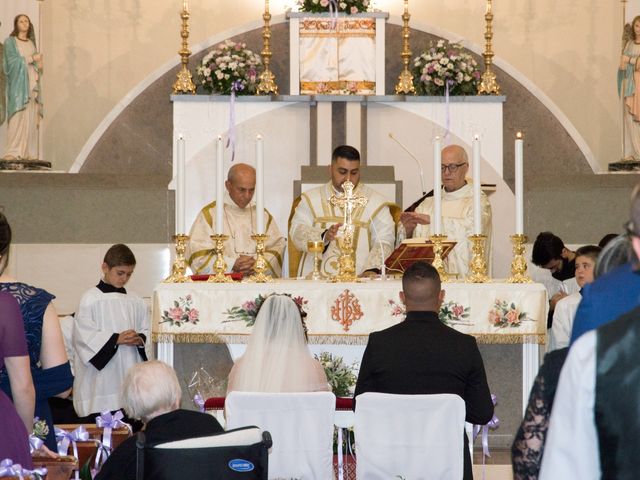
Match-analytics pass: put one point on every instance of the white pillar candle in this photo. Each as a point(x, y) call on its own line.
point(180, 186)
point(475, 173)
point(219, 186)
point(437, 187)
point(519, 177)
point(259, 185)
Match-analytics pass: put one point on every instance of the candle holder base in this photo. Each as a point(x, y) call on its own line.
point(478, 264)
point(438, 262)
point(261, 266)
point(179, 267)
point(219, 266)
point(519, 262)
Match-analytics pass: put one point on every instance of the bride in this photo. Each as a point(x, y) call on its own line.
point(277, 358)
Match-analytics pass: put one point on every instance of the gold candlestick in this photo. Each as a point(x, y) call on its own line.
point(184, 82)
point(405, 80)
point(261, 265)
point(438, 262)
point(267, 83)
point(179, 267)
point(478, 264)
point(219, 266)
point(519, 262)
point(316, 247)
point(488, 83)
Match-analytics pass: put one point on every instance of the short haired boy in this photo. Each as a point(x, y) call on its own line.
point(109, 335)
point(566, 308)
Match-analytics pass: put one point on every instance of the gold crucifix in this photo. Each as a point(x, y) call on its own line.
point(348, 202)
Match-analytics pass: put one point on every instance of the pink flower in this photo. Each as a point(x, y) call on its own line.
point(193, 315)
point(354, 9)
point(249, 305)
point(494, 317)
point(324, 3)
point(512, 317)
point(189, 298)
point(457, 310)
point(176, 314)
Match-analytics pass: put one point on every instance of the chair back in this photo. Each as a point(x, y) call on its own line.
point(409, 436)
point(301, 426)
point(230, 455)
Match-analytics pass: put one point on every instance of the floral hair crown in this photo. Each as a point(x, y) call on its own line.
point(299, 302)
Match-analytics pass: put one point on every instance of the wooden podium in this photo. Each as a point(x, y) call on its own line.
point(413, 250)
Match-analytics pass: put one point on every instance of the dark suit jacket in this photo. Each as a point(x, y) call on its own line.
point(175, 425)
point(421, 355)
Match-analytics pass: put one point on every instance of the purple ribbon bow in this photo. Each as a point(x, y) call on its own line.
point(492, 424)
point(35, 443)
point(107, 422)
point(65, 438)
point(198, 402)
point(236, 86)
point(9, 469)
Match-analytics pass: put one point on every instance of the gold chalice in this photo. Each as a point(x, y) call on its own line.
point(316, 247)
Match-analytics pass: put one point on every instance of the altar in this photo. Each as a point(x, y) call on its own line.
point(343, 314)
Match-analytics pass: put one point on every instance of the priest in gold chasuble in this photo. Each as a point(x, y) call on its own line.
point(239, 219)
point(315, 218)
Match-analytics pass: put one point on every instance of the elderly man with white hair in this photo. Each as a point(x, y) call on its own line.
point(151, 393)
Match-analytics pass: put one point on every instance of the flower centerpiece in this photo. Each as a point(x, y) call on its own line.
point(230, 66)
point(445, 64)
point(340, 376)
point(345, 6)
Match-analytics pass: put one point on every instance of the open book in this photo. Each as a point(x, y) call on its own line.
point(412, 250)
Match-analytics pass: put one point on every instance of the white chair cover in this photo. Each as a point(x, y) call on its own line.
point(301, 427)
point(409, 436)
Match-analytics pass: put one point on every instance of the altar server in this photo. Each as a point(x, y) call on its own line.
point(239, 224)
point(457, 212)
point(315, 218)
point(110, 335)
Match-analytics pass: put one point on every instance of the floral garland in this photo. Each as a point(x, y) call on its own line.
point(230, 66)
point(340, 376)
point(345, 6)
point(446, 64)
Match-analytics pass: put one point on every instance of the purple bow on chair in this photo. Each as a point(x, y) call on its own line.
point(107, 422)
point(198, 402)
point(9, 469)
point(65, 438)
point(35, 443)
point(493, 424)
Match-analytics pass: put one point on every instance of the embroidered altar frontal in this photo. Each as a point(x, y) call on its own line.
point(345, 313)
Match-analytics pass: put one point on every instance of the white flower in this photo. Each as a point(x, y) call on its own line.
point(467, 78)
point(219, 75)
point(343, 5)
point(227, 76)
point(444, 61)
point(438, 81)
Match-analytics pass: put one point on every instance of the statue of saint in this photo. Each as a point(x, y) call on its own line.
point(628, 84)
point(23, 67)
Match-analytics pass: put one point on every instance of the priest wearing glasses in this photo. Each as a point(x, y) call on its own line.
point(239, 224)
point(457, 212)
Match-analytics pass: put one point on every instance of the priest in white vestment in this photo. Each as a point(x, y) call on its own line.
point(457, 212)
point(239, 220)
point(316, 219)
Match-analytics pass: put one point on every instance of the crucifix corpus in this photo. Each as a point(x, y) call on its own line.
point(348, 202)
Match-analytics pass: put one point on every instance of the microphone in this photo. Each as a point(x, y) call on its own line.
point(414, 158)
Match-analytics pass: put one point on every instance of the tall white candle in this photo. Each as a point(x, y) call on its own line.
point(437, 187)
point(475, 173)
point(180, 186)
point(519, 174)
point(259, 185)
point(219, 186)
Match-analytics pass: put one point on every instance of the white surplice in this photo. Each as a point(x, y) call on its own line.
point(239, 225)
point(563, 316)
point(99, 316)
point(374, 235)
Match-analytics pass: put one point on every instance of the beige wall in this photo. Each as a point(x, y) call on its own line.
point(97, 51)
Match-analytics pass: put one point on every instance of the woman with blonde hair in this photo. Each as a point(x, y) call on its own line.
point(277, 358)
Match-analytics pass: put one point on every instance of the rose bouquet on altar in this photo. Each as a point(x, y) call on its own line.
point(230, 67)
point(345, 6)
point(446, 65)
point(340, 376)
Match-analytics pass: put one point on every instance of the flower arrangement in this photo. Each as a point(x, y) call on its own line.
point(445, 64)
point(452, 313)
point(181, 312)
point(40, 428)
point(345, 6)
point(229, 67)
point(504, 314)
point(340, 376)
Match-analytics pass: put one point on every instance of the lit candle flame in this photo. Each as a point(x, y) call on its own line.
point(519, 135)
